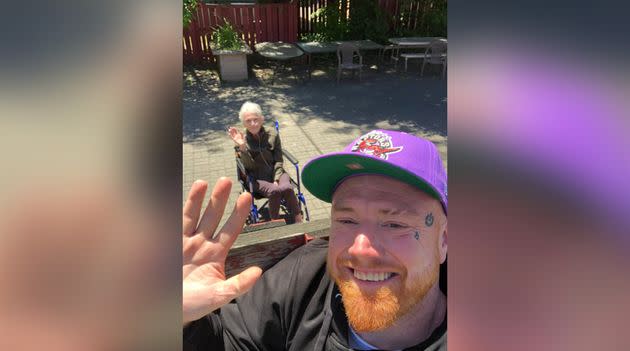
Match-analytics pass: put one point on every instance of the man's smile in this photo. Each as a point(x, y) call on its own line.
point(371, 275)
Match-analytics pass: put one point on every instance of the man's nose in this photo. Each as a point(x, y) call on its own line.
point(365, 246)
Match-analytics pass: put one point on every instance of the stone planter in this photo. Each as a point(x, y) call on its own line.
point(232, 63)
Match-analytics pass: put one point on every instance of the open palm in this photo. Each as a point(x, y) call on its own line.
point(236, 135)
point(205, 287)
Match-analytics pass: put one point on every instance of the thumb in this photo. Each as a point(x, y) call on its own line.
point(245, 280)
point(240, 283)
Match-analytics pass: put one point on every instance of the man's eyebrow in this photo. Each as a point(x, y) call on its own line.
point(399, 211)
point(386, 211)
point(342, 208)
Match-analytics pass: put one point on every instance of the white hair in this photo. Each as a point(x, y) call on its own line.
point(249, 107)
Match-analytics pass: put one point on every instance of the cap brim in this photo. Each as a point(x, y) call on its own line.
point(321, 175)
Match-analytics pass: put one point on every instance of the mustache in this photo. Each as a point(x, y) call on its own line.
point(371, 263)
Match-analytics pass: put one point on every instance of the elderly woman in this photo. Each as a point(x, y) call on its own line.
point(261, 153)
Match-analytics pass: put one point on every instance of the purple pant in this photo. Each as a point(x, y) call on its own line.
point(275, 192)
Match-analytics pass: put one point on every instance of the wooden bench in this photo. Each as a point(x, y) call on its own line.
point(267, 246)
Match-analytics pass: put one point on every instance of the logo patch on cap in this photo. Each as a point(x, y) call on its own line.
point(376, 143)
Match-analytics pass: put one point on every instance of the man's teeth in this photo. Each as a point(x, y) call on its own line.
point(373, 277)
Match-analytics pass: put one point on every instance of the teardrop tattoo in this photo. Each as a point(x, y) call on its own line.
point(428, 220)
point(417, 235)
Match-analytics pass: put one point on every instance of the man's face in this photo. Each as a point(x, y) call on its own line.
point(252, 122)
point(387, 240)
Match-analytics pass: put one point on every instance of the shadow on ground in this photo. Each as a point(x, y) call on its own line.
point(385, 97)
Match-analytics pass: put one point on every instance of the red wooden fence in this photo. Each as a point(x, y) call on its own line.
point(256, 23)
point(283, 22)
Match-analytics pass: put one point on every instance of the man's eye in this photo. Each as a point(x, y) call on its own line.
point(346, 221)
point(394, 225)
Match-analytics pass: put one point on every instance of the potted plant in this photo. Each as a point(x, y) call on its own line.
point(231, 52)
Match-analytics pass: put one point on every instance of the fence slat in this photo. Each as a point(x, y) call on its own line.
point(257, 23)
point(206, 31)
point(282, 29)
point(293, 28)
point(197, 16)
point(276, 22)
point(268, 23)
point(308, 17)
point(232, 14)
point(206, 14)
point(305, 28)
point(247, 27)
point(271, 24)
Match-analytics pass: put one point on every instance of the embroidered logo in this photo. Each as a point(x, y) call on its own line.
point(377, 144)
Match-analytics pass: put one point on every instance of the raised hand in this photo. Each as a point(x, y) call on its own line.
point(205, 287)
point(237, 136)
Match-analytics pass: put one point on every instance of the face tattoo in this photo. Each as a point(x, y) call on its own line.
point(428, 220)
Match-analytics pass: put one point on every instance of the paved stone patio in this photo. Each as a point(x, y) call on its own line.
point(315, 116)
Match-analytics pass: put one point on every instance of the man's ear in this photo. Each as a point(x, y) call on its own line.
point(442, 242)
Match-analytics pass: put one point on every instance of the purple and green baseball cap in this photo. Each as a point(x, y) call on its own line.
point(405, 157)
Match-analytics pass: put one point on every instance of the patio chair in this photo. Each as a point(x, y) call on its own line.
point(394, 53)
point(346, 52)
point(434, 54)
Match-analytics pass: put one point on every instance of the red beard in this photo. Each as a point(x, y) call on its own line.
point(368, 312)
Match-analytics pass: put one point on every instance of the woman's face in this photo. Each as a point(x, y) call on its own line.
point(252, 122)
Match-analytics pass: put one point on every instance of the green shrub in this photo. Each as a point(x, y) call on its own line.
point(225, 37)
point(330, 25)
point(312, 37)
point(436, 19)
point(430, 23)
point(367, 21)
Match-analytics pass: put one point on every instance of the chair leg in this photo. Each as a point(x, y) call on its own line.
point(406, 64)
point(395, 56)
point(422, 70)
point(338, 74)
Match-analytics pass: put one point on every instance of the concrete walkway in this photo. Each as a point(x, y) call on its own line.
point(316, 117)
